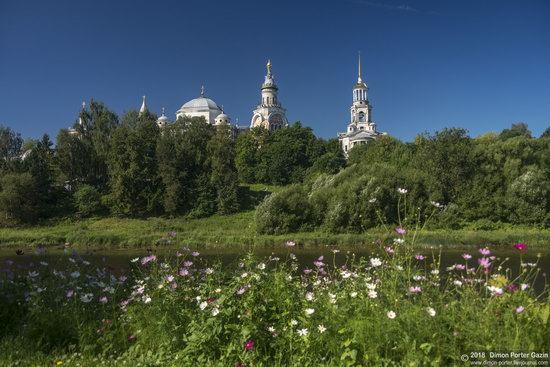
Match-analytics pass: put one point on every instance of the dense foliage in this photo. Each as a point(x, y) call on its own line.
point(131, 167)
point(487, 180)
point(395, 307)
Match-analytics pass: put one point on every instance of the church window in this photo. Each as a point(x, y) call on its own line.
point(361, 117)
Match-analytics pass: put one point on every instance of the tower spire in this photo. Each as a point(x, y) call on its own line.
point(359, 76)
point(202, 91)
point(143, 108)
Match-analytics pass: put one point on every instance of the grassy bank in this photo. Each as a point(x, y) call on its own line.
point(233, 230)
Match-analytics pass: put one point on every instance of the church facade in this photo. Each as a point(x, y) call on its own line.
point(361, 129)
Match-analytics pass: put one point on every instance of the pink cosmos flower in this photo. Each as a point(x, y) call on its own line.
point(466, 256)
point(419, 257)
point(103, 300)
point(148, 259)
point(290, 244)
point(401, 231)
point(485, 251)
point(307, 271)
point(70, 293)
point(183, 272)
point(249, 344)
point(520, 309)
point(520, 246)
point(460, 266)
point(484, 262)
point(195, 253)
point(415, 290)
point(389, 250)
point(187, 263)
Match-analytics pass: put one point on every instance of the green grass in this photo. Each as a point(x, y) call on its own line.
point(233, 230)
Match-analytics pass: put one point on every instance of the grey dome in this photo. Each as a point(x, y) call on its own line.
point(199, 104)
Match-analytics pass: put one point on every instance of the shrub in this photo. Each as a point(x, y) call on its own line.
point(283, 212)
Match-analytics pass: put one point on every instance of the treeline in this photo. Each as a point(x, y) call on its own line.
point(482, 182)
point(131, 167)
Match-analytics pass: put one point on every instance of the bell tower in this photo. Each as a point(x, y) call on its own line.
point(269, 114)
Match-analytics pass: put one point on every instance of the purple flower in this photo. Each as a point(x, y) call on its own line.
point(484, 262)
point(520, 309)
point(249, 344)
point(415, 290)
point(466, 256)
point(183, 272)
point(187, 263)
point(318, 263)
point(485, 251)
point(195, 253)
point(512, 287)
point(419, 257)
point(70, 293)
point(460, 266)
point(400, 231)
point(389, 250)
point(103, 300)
point(290, 244)
point(520, 246)
point(307, 271)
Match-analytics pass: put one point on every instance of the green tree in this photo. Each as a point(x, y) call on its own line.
point(223, 173)
point(518, 129)
point(135, 184)
point(19, 201)
point(10, 148)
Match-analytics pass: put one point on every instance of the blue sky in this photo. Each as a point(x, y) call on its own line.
point(477, 64)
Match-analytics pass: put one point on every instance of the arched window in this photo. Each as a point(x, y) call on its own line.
point(361, 117)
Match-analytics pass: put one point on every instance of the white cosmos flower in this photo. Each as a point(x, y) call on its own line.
point(302, 332)
point(86, 298)
point(391, 315)
point(215, 311)
point(203, 305)
point(321, 328)
point(402, 191)
point(261, 266)
point(33, 274)
point(372, 294)
point(375, 262)
point(293, 322)
point(458, 283)
point(430, 311)
point(435, 271)
point(75, 274)
point(271, 329)
point(244, 275)
point(309, 311)
point(353, 294)
point(209, 271)
point(146, 299)
point(346, 274)
point(135, 260)
point(371, 286)
point(309, 296)
point(399, 241)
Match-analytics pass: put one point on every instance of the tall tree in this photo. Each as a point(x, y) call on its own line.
point(223, 173)
point(10, 148)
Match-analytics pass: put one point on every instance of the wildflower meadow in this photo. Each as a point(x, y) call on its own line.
point(395, 307)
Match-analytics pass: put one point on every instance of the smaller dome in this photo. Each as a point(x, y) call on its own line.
point(221, 119)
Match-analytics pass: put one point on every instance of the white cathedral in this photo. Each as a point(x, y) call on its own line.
point(271, 115)
point(361, 129)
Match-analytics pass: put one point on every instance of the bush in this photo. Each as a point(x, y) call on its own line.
point(283, 212)
point(88, 200)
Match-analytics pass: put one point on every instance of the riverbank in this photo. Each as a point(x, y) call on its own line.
point(233, 230)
